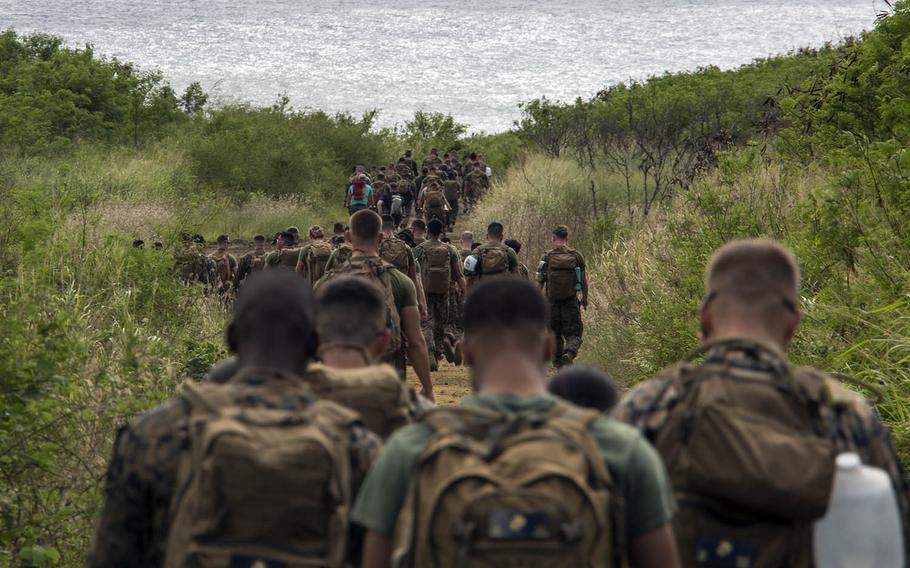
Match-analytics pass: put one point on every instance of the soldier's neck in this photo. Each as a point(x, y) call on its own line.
point(733, 331)
point(343, 358)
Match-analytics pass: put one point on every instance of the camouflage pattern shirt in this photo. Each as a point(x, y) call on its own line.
point(141, 479)
point(854, 425)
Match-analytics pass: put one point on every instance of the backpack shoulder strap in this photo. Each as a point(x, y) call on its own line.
point(574, 422)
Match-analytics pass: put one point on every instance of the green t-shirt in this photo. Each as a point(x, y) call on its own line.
point(634, 464)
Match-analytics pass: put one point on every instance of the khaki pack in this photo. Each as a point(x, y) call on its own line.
point(437, 268)
point(451, 190)
point(257, 262)
point(222, 266)
point(384, 402)
point(317, 257)
point(436, 199)
point(287, 258)
point(751, 463)
point(377, 271)
point(404, 171)
point(493, 489)
point(266, 478)
point(493, 260)
point(396, 252)
point(561, 277)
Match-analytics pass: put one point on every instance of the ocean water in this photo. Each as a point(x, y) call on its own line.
point(475, 59)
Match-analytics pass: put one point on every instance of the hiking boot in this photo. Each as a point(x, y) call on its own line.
point(448, 350)
point(567, 359)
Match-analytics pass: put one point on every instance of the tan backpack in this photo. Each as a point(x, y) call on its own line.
point(377, 271)
point(222, 266)
point(436, 199)
point(751, 463)
point(396, 252)
point(437, 268)
point(265, 480)
point(287, 258)
point(384, 402)
point(493, 260)
point(493, 489)
point(562, 279)
point(451, 190)
point(257, 262)
point(317, 258)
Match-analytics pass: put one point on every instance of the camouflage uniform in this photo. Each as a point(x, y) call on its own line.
point(246, 266)
point(339, 256)
point(193, 266)
point(140, 483)
point(565, 315)
point(438, 316)
point(854, 425)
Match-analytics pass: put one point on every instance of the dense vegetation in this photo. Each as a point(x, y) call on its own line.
point(809, 148)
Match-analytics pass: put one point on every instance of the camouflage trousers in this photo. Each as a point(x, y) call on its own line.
point(565, 321)
point(452, 216)
point(437, 318)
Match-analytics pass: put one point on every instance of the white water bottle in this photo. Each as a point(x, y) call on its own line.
point(862, 528)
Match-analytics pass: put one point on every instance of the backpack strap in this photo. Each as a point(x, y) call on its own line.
point(575, 422)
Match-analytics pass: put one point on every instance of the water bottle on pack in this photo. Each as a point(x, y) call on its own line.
point(862, 527)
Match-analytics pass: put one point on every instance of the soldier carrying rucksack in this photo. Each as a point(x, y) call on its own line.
point(514, 476)
point(440, 267)
point(561, 272)
point(749, 439)
point(314, 256)
point(286, 255)
point(252, 472)
point(225, 265)
point(251, 262)
point(433, 203)
point(399, 292)
point(492, 258)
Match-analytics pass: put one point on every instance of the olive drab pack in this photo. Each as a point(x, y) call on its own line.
point(493, 260)
point(266, 478)
point(384, 402)
point(437, 268)
point(396, 252)
point(498, 490)
point(377, 271)
point(436, 199)
point(451, 190)
point(287, 258)
point(751, 462)
point(562, 263)
point(222, 266)
point(257, 262)
point(317, 258)
point(404, 170)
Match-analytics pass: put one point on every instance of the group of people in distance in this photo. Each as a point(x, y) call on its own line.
point(309, 449)
point(435, 191)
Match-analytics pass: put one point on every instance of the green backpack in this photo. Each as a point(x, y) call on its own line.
point(493, 489)
point(396, 252)
point(377, 271)
point(493, 260)
point(437, 268)
point(317, 258)
point(265, 479)
point(561, 273)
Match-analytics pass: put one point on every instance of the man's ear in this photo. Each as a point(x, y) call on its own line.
point(706, 325)
point(793, 322)
point(233, 344)
point(381, 343)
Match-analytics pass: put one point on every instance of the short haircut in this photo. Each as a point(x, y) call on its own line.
point(388, 222)
point(222, 239)
point(274, 310)
point(505, 303)
point(584, 386)
point(561, 232)
point(338, 228)
point(419, 225)
point(316, 232)
point(467, 236)
point(259, 238)
point(760, 274)
point(434, 227)
point(495, 229)
point(434, 151)
point(514, 245)
point(351, 310)
point(365, 225)
point(287, 236)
